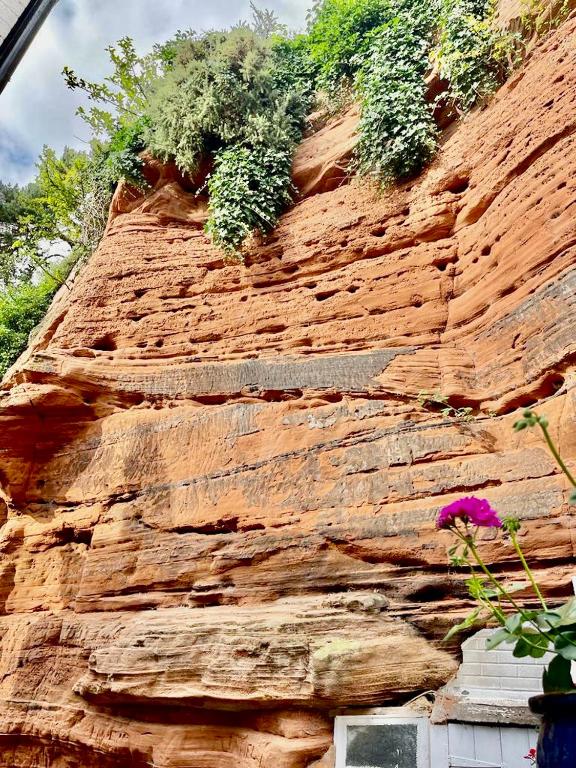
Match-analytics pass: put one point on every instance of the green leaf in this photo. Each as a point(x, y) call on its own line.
point(531, 644)
point(548, 620)
point(572, 499)
point(557, 678)
point(567, 613)
point(500, 636)
point(565, 645)
point(514, 623)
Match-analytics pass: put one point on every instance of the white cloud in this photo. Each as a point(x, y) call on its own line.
point(36, 108)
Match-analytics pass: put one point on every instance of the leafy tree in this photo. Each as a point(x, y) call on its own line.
point(125, 91)
point(265, 23)
point(225, 97)
point(340, 37)
point(21, 310)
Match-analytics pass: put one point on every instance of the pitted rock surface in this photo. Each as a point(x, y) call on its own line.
point(219, 483)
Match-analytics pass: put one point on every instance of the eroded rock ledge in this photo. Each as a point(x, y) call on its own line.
point(219, 489)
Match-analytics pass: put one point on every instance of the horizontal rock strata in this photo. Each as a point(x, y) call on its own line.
point(219, 482)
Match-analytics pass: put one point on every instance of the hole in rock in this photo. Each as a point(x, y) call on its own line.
point(271, 329)
point(429, 593)
point(243, 298)
point(325, 295)
point(486, 251)
point(279, 396)
point(105, 344)
point(332, 397)
point(353, 288)
point(69, 535)
point(159, 343)
point(458, 186)
point(379, 231)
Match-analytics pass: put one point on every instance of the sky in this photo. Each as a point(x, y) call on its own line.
point(36, 108)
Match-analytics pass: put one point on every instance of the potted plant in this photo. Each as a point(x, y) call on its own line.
point(532, 631)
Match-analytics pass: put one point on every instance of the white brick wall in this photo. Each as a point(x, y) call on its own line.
point(498, 670)
point(10, 11)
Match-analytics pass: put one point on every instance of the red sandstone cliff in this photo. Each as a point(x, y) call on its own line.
point(220, 488)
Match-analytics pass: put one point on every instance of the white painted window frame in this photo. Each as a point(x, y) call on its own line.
point(395, 716)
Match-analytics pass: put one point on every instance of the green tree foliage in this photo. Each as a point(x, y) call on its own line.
point(22, 307)
point(472, 53)
point(42, 234)
point(123, 96)
point(340, 36)
point(227, 96)
point(218, 84)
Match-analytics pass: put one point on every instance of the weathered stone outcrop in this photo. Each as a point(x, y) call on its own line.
point(219, 486)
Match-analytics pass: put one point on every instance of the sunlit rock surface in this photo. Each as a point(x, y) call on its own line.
point(219, 486)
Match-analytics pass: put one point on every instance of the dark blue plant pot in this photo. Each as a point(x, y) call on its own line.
point(557, 741)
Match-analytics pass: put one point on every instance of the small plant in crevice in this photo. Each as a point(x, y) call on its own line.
point(436, 401)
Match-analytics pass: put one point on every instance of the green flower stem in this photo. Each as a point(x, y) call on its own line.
point(528, 570)
point(472, 547)
point(487, 603)
point(506, 595)
point(556, 453)
point(495, 581)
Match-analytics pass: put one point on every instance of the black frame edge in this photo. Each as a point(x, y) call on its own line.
point(20, 36)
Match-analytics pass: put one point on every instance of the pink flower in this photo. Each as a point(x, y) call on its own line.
point(469, 510)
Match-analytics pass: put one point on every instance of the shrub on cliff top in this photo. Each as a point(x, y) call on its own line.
point(226, 95)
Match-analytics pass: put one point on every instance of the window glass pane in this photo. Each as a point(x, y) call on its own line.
point(382, 746)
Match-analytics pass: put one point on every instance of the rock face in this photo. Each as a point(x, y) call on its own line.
point(219, 482)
